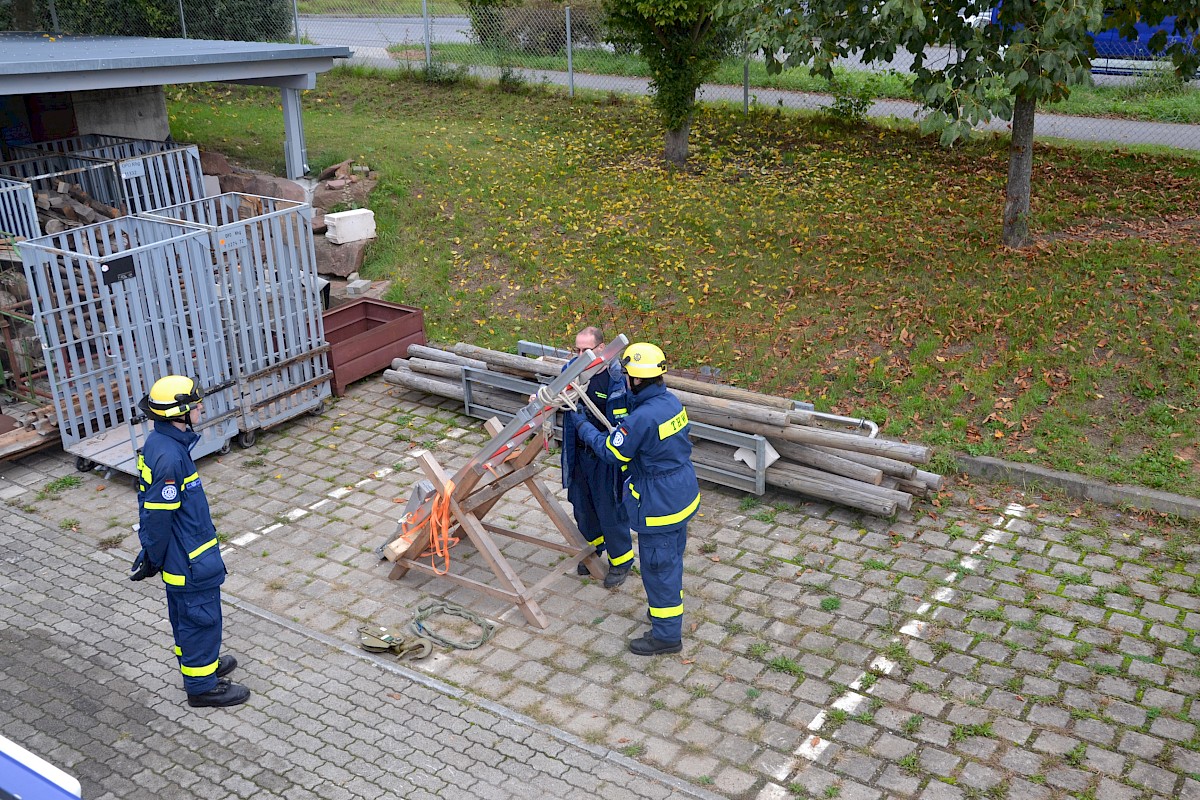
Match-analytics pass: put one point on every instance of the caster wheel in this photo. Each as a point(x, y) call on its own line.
point(84, 465)
point(247, 439)
point(225, 448)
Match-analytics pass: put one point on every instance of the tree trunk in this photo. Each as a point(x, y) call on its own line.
point(677, 143)
point(23, 16)
point(1020, 171)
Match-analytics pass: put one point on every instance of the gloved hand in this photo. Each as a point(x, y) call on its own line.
point(142, 568)
point(571, 422)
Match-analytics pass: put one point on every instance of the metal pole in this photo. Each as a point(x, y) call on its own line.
point(746, 85)
point(182, 20)
point(53, 16)
point(570, 61)
point(428, 53)
point(296, 19)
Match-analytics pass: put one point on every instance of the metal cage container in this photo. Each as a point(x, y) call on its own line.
point(265, 271)
point(18, 216)
point(151, 174)
point(56, 174)
point(117, 305)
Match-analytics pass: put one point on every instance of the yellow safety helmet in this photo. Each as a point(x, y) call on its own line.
point(644, 360)
point(172, 396)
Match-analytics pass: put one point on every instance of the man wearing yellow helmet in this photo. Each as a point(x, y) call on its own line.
point(179, 540)
point(651, 447)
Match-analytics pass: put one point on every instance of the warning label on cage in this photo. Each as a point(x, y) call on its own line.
point(117, 270)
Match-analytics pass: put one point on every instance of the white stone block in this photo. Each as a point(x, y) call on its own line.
point(212, 186)
point(357, 288)
point(350, 226)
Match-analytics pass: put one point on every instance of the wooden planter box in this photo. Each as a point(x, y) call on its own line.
point(366, 334)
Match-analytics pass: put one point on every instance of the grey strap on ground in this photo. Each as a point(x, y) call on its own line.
point(431, 607)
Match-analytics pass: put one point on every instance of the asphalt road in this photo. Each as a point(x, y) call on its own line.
point(369, 37)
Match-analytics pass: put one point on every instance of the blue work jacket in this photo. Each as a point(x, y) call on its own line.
point(608, 391)
point(176, 529)
point(652, 446)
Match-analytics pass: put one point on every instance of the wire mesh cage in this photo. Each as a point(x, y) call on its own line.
point(150, 174)
point(265, 271)
point(68, 190)
point(118, 304)
point(18, 216)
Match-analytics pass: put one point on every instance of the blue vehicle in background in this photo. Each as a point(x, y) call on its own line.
point(1117, 55)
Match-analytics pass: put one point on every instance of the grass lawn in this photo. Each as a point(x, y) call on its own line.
point(858, 267)
point(1157, 97)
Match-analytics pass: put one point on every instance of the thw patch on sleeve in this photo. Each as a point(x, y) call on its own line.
point(169, 492)
point(618, 438)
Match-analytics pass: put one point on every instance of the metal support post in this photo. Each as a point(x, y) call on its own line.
point(295, 151)
point(428, 36)
point(296, 19)
point(182, 20)
point(746, 86)
point(570, 59)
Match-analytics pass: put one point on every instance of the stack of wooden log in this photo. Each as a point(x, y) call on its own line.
point(66, 205)
point(819, 460)
point(27, 430)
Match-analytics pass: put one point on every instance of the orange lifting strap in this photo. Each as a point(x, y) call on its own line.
point(438, 520)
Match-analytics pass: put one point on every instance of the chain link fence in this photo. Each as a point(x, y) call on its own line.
point(570, 46)
point(545, 42)
point(230, 20)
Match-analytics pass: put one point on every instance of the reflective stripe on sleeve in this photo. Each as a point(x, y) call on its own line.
point(173, 579)
point(680, 516)
point(162, 506)
point(674, 425)
point(615, 451)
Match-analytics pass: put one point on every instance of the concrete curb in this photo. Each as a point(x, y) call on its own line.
point(995, 469)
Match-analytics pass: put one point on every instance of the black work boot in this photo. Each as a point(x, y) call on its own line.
point(581, 569)
point(225, 665)
point(647, 645)
point(616, 576)
point(222, 695)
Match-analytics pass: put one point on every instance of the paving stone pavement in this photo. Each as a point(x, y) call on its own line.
point(992, 644)
point(86, 686)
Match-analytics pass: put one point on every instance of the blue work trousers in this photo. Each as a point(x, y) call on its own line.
point(661, 552)
point(196, 624)
point(600, 516)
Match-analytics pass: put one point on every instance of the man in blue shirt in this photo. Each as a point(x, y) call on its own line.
point(661, 493)
point(179, 540)
point(594, 485)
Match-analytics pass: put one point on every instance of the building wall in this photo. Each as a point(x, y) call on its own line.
point(138, 113)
